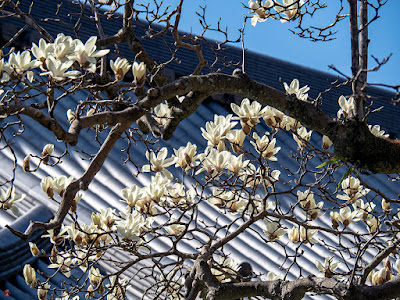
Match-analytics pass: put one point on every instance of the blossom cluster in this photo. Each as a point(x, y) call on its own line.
point(288, 10)
point(58, 61)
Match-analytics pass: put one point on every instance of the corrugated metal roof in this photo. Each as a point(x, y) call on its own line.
point(105, 190)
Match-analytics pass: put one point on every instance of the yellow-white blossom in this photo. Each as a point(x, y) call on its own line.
point(120, 67)
point(373, 225)
point(273, 117)
point(175, 229)
point(248, 114)
point(139, 73)
point(265, 146)
point(260, 12)
point(57, 69)
point(385, 205)
point(328, 268)
point(159, 162)
point(364, 210)
point(8, 199)
point(347, 107)
point(42, 291)
point(376, 131)
point(42, 51)
point(216, 131)
point(34, 249)
point(307, 203)
point(271, 276)
point(352, 190)
point(86, 54)
point(71, 115)
point(47, 151)
point(47, 185)
point(185, 157)
point(294, 89)
point(274, 230)
point(289, 9)
point(95, 276)
point(132, 195)
point(29, 275)
point(302, 136)
point(326, 142)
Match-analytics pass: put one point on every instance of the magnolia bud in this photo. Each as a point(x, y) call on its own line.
point(29, 275)
point(34, 249)
point(25, 163)
point(47, 151)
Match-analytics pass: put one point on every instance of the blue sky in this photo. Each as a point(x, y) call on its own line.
point(274, 39)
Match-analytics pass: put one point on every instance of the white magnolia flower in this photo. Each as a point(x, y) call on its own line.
point(306, 235)
point(328, 268)
point(139, 73)
point(132, 195)
point(214, 161)
point(302, 136)
point(260, 13)
point(347, 107)
point(236, 165)
point(376, 131)
point(308, 204)
point(42, 291)
point(185, 157)
point(34, 249)
point(178, 195)
point(56, 238)
point(133, 226)
point(9, 198)
point(373, 225)
point(42, 51)
point(47, 152)
point(29, 275)
point(273, 117)
point(385, 205)
point(217, 130)
point(294, 89)
point(346, 216)
point(380, 277)
point(3, 75)
point(274, 230)
point(107, 217)
point(265, 146)
point(159, 162)
point(227, 266)
point(352, 190)
point(86, 54)
point(163, 113)
point(58, 69)
point(364, 210)
point(95, 276)
point(63, 47)
point(19, 64)
point(294, 235)
point(71, 115)
point(63, 264)
point(248, 114)
point(120, 67)
point(236, 137)
point(326, 142)
point(47, 185)
point(60, 183)
point(271, 276)
point(175, 229)
point(290, 9)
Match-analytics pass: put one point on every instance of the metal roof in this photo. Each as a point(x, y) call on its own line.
point(105, 190)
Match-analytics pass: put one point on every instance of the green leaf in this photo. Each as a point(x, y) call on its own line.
point(328, 162)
